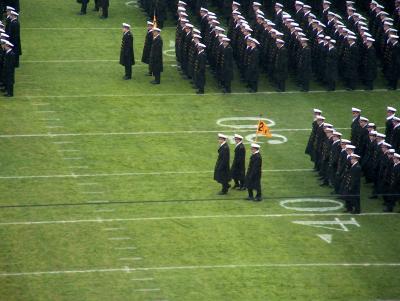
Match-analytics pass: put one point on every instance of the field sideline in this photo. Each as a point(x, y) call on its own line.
point(106, 189)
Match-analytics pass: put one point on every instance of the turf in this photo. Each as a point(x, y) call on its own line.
point(149, 153)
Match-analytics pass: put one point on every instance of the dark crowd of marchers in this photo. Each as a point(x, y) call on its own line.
point(10, 45)
point(323, 40)
point(340, 162)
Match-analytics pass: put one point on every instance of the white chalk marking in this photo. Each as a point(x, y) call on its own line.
point(88, 28)
point(142, 279)
point(208, 267)
point(87, 184)
point(93, 192)
point(188, 217)
point(147, 290)
point(119, 238)
point(329, 224)
point(130, 258)
point(50, 119)
point(113, 229)
point(138, 174)
point(63, 142)
point(104, 210)
point(147, 133)
point(191, 94)
point(45, 111)
point(325, 237)
point(337, 205)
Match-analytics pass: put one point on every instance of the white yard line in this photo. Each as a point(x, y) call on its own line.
point(136, 174)
point(46, 135)
point(63, 142)
point(189, 217)
point(130, 258)
point(90, 28)
point(119, 238)
point(147, 290)
point(149, 95)
point(211, 267)
point(45, 112)
point(83, 61)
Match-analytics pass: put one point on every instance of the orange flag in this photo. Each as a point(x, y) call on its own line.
point(263, 129)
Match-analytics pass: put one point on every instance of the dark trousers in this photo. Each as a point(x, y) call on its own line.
point(281, 85)
point(239, 182)
point(350, 84)
point(353, 203)
point(305, 85)
point(10, 89)
point(258, 195)
point(96, 5)
point(17, 61)
point(128, 71)
point(227, 86)
point(84, 6)
point(225, 187)
point(369, 84)
point(331, 85)
point(253, 85)
point(157, 76)
point(104, 12)
point(392, 84)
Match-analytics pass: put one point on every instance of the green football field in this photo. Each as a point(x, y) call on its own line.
point(107, 191)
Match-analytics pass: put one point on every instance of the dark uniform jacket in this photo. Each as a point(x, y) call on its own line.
point(221, 171)
point(156, 55)
point(281, 64)
point(253, 175)
point(9, 67)
point(238, 165)
point(147, 47)
point(127, 57)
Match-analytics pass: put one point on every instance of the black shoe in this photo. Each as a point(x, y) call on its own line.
point(200, 92)
point(149, 74)
point(222, 192)
point(258, 199)
point(249, 198)
point(323, 184)
point(242, 188)
point(102, 17)
point(95, 9)
point(387, 209)
point(355, 212)
point(154, 82)
point(346, 211)
point(127, 77)
point(81, 13)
